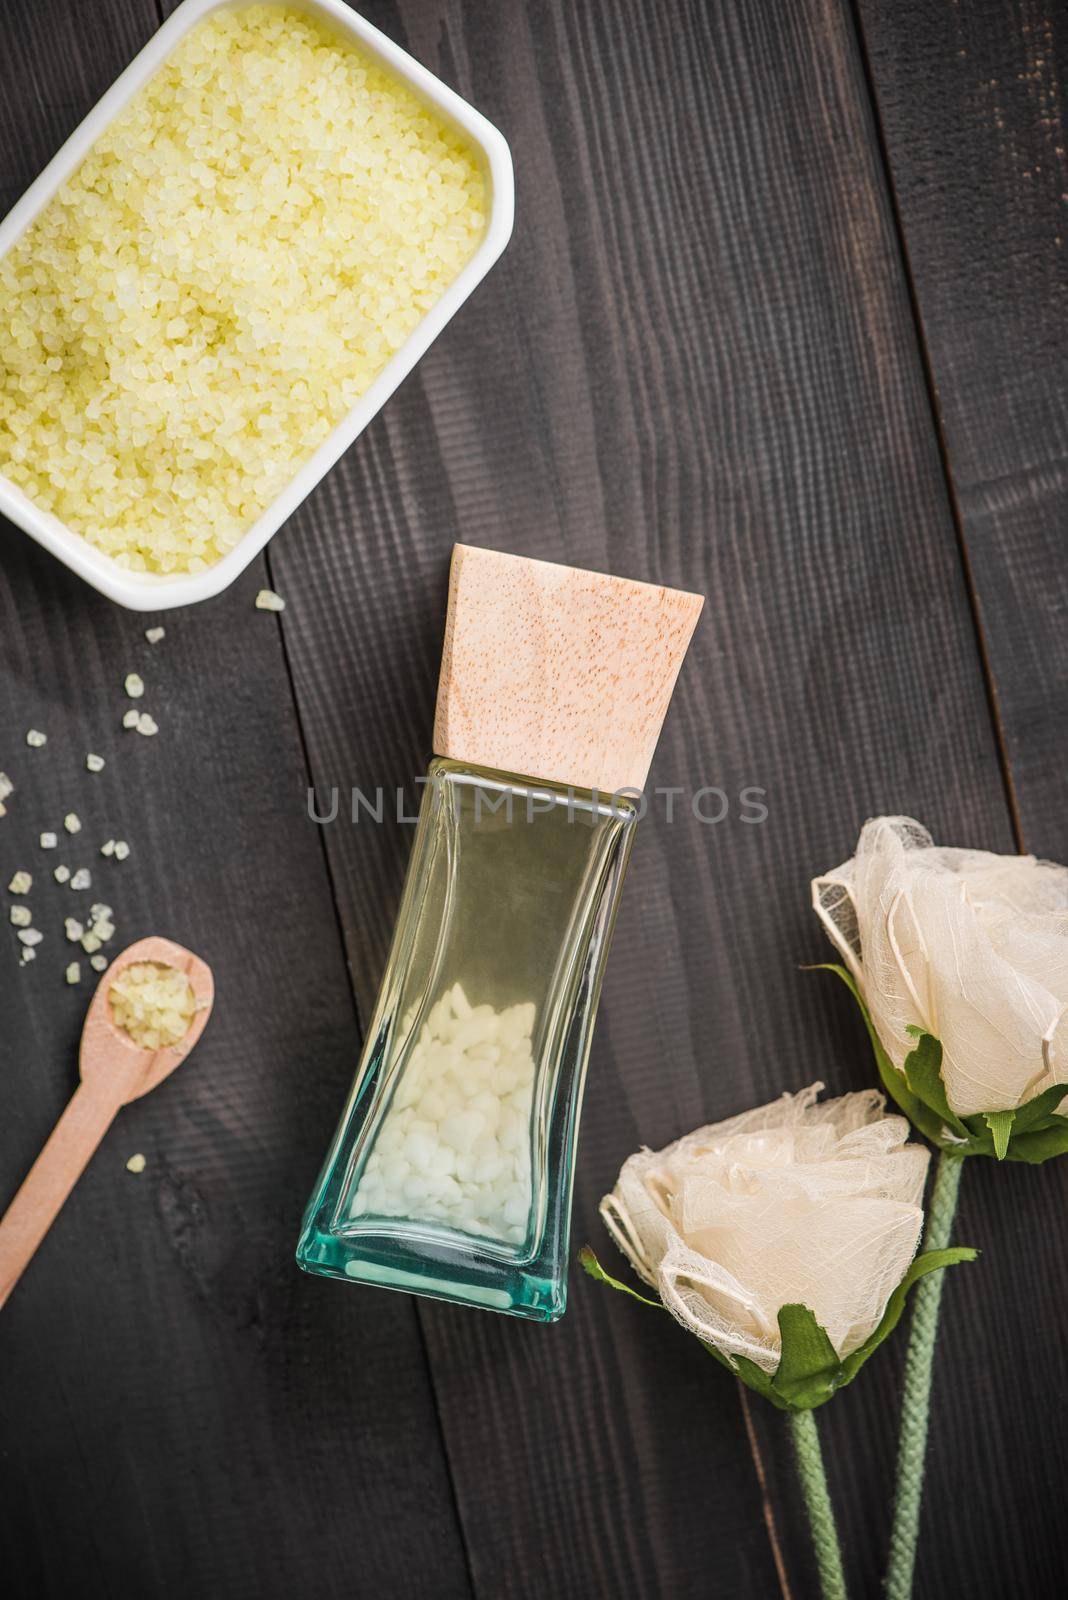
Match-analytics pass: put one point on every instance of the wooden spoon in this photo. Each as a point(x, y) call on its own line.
point(113, 1070)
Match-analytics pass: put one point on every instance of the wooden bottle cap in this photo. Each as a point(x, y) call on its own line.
point(555, 673)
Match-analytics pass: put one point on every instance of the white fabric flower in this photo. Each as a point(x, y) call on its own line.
point(969, 946)
point(794, 1202)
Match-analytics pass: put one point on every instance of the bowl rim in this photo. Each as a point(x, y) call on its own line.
point(159, 592)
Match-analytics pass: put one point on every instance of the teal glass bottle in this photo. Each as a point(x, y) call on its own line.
point(451, 1170)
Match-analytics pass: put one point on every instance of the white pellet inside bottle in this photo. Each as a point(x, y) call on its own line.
point(454, 1145)
point(462, 1064)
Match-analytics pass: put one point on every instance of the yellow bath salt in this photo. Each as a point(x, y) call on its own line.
point(231, 267)
point(153, 1003)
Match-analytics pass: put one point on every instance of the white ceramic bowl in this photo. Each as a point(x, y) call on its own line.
point(144, 591)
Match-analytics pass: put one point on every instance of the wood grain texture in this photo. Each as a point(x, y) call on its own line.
point(193, 1415)
point(184, 1413)
point(971, 99)
point(695, 364)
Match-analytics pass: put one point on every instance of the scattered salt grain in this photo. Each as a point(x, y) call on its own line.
point(154, 635)
point(73, 929)
point(74, 972)
point(6, 786)
point(98, 963)
point(267, 600)
point(134, 685)
point(82, 879)
point(104, 930)
point(61, 874)
point(30, 936)
point(49, 841)
point(72, 823)
point(95, 763)
point(21, 916)
point(136, 1164)
point(147, 725)
point(99, 912)
point(28, 955)
point(130, 719)
point(122, 849)
point(21, 883)
point(90, 943)
point(108, 847)
point(35, 739)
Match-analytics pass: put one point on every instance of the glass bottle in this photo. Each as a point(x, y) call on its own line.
point(451, 1170)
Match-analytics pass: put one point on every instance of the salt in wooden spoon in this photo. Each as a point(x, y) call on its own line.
point(113, 1070)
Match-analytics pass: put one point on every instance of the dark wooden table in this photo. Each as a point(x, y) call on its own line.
point(784, 320)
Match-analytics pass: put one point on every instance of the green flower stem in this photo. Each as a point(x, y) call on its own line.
point(916, 1397)
point(821, 1521)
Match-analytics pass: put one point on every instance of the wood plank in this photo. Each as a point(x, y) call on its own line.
point(971, 101)
point(184, 1413)
point(696, 363)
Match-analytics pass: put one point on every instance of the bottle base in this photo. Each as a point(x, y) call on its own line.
point(444, 1272)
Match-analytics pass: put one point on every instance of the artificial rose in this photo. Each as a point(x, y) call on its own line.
point(967, 946)
point(792, 1203)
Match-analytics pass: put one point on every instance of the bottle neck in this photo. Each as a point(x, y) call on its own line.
point(490, 793)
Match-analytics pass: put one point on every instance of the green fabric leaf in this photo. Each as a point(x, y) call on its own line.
point(1000, 1125)
point(809, 1370)
point(980, 1138)
point(929, 1124)
point(1035, 1131)
point(929, 1261)
point(593, 1267)
point(1040, 1112)
point(806, 1348)
point(1041, 1143)
point(923, 1074)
